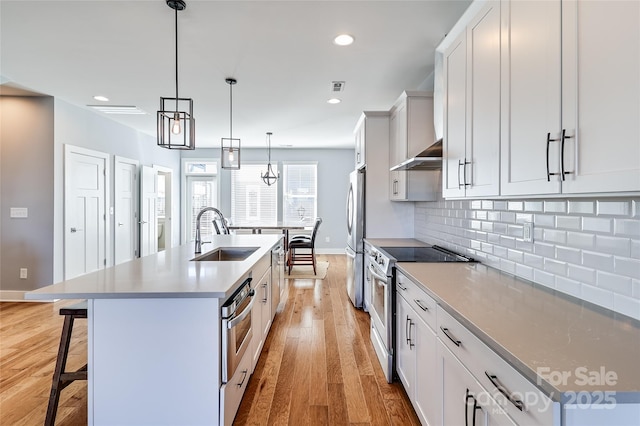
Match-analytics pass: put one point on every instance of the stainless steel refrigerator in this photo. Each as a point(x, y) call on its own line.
point(355, 234)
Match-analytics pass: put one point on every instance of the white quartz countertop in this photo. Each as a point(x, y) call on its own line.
point(395, 242)
point(534, 327)
point(167, 274)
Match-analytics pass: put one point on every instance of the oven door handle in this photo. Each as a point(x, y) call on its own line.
point(380, 277)
point(242, 315)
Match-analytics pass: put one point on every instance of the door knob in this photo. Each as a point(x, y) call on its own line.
point(120, 224)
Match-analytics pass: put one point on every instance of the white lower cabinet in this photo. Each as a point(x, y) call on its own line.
point(464, 400)
point(416, 358)
point(261, 315)
point(231, 392)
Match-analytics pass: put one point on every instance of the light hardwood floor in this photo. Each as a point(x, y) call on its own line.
point(317, 365)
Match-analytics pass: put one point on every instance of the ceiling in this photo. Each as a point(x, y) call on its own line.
point(281, 52)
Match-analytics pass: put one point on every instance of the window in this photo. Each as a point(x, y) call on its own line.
point(253, 202)
point(201, 190)
point(300, 197)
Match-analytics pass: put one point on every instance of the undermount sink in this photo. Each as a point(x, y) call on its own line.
point(224, 254)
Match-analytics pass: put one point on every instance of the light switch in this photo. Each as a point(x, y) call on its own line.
point(19, 212)
point(528, 232)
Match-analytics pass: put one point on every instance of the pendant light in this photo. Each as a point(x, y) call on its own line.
point(230, 147)
point(269, 177)
point(176, 125)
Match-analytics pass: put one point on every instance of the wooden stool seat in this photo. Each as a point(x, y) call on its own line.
point(62, 378)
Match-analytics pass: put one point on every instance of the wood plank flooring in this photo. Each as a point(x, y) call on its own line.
point(317, 365)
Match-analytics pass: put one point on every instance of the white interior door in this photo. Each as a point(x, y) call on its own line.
point(126, 209)
point(164, 182)
point(85, 225)
point(148, 221)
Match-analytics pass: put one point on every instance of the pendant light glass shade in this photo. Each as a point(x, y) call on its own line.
point(176, 125)
point(230, 147)
point(269, 177)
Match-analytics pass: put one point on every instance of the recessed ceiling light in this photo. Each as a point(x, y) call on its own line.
point(343, 40)
point(101, 98)
point(334, 101)
point(118, 109)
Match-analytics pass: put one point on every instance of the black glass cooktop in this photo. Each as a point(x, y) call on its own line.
point(424, 254)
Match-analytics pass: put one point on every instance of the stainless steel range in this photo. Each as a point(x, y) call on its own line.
point(381, 276)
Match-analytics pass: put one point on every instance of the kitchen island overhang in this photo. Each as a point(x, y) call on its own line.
point(154, 331)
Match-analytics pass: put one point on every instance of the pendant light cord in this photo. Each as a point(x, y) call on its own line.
point(176, 10)
point(231, 111)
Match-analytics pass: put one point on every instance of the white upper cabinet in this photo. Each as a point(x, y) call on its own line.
point(360, 154)
point(601, 95)
point(471, 145)
point(570, 97)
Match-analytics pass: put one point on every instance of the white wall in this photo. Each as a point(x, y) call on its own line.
point(82, 127)
point(588, 247)
point(334, 166)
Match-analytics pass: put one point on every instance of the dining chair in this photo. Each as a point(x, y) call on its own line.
point(306, 243)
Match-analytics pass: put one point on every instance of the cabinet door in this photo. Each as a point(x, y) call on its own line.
point(530, 97)
point(428, 398)
point(399, 139)
point(398, 185)
point(264, 294)
point(601, 95)
point(460, 392)
point(483, 103)
point(455, 107)
point(405, 343)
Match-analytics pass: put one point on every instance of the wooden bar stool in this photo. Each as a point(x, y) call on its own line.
point(62, 378)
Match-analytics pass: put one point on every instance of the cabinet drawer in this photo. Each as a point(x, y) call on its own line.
point(516, 395)
point(231, 393)
point(418, 299)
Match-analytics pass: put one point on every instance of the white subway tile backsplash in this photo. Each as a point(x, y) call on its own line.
point(554, 236)
point(568, 286)
point(615, 283)
point(515, 205)
point(596, 224)
point(627, 306)
point(597, 296)
point(533, 206)
point(578, 273)
point(627, 227)
point(555, 267)
point(601, 261)
point(544, 278)
point(627, 267)
point(577, 239)
point(524, 272)
point(545, 220)
point(555, 206)
point(613, 208)
point(613, 245)
point(568, 222)
point(589, 248)
point(545, 250)
point(499, 205)
point(582, 207)
point(487, 205)
point(570, 255)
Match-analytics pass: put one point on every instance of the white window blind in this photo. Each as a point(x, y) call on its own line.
point(300, 193)
point(252, 201)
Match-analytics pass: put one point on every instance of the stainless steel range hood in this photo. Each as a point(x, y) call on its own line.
point(429, 159)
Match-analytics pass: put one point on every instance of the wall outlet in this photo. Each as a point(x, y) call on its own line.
point(23, 273)
point(528, 232)
point(327, 240)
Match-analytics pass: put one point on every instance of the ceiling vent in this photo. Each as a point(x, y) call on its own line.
point(337, 86)
point(118, 109)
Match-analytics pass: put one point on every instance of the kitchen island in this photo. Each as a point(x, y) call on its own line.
point(154, 332)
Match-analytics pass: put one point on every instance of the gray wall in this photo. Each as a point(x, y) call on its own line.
point(334, 166)
point(26, 180)
point(588, 247)
point(84, 128)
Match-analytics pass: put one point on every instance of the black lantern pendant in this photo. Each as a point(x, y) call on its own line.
point(176, 127)
point(230, 147)
point(269, 177)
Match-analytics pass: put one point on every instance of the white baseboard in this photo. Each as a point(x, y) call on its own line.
point(16, 296)
point(330, 250)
